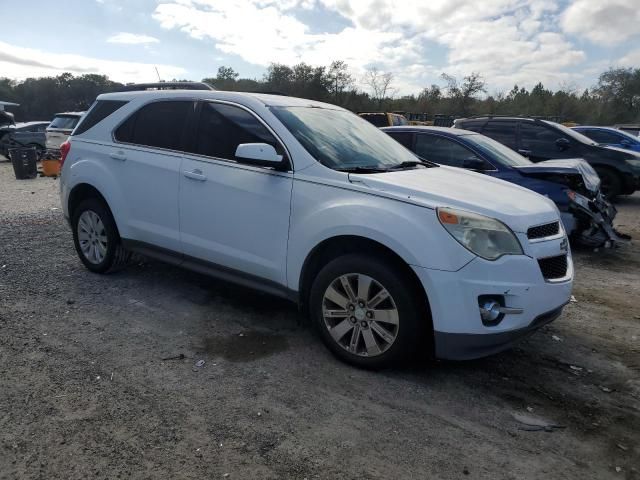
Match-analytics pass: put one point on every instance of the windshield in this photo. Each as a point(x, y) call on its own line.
point(572, 133)
point(64, 122)
point(497, 152)
point(342, 140)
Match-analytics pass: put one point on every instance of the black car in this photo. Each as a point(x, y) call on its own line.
point(29, 134)
point(541, 140)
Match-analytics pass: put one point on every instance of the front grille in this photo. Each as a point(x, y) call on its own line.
point(542, 231)
point(553, 268)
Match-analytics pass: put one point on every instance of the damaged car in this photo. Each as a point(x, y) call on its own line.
point(572, 184)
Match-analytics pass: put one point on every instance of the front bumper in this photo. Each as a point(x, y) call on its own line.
point(459, 332)
point(464, 346)
point(594, 219)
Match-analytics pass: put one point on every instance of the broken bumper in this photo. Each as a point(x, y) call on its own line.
point(594, 218)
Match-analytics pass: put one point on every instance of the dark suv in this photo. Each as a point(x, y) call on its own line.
point(541, 140)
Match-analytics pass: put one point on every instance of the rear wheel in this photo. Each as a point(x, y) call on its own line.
point(610, 182)
point(96, 237)
point(367, 311)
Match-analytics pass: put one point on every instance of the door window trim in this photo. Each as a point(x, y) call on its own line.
point(288, 163)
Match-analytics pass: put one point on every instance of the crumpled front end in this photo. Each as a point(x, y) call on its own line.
point(594, 221)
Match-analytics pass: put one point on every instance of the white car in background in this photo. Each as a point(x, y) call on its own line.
point(387, 253)
point(59, 130)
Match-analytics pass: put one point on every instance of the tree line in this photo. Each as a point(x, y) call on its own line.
point(614, 99)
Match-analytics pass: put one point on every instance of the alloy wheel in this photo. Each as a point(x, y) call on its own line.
point(92, 237)
point(360, 314)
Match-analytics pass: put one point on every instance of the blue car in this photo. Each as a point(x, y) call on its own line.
point(610, 137)
point(572, 184)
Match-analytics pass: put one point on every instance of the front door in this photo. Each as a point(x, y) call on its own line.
point(232, 214)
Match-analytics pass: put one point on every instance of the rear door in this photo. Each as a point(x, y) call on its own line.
point(145, 160)
point(232, 214)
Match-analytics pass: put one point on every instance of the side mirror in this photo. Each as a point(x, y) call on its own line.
point(625, 143)
point(562, 144)
point(474, 163)
point(261, 154)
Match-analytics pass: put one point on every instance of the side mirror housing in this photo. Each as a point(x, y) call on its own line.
point(474, 163)
point(261, 154)
point(562, 144)
point(625, 143)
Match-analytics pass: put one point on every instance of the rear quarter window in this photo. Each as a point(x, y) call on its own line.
point(101, 110)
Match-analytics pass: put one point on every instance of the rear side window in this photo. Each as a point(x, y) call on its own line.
point(222, 128)
point(64, 122)
point(101, 110)
point(503, 132)
point(158, 124)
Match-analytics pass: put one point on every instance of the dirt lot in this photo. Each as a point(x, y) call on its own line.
point(85, 392)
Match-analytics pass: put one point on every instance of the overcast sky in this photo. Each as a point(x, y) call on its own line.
point(507, 41)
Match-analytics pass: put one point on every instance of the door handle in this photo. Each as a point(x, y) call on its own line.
point(118, 156)
point(195, 175)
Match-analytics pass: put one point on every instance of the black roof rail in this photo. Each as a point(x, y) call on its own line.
point(136, 87)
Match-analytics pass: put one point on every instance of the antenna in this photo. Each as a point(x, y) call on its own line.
point(157, 73)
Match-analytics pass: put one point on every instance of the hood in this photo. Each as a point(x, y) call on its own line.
point(517, 207)
point(571, 166)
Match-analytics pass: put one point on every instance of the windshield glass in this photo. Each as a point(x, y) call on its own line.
point(571, 133)
point(497, 152)
point(342, 140)
point(626, 134)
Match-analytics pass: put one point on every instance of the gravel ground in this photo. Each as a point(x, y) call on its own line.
point(85, 392)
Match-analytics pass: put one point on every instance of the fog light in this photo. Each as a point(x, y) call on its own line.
point(493, 309)
point(490, 311)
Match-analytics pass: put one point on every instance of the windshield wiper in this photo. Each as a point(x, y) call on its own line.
point(409, 164)
point(363, 169)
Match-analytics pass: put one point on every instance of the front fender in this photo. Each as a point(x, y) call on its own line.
point(320, 212)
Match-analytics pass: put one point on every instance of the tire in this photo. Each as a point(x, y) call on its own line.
point(96, 237)
point(385, 343)
point(611, 183)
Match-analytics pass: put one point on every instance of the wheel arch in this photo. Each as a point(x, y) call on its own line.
point(336, 246)
point(83, 191)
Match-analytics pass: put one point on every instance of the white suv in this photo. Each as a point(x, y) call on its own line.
point(59, 129)
point(387, 253)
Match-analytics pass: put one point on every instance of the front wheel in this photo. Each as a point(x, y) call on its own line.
point(96, 238)
point(367, 311)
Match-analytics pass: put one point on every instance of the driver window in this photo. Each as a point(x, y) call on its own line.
point(537, 138)
point(223, 127)
point(442, 150)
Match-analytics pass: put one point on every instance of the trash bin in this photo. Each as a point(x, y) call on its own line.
point(24, 162)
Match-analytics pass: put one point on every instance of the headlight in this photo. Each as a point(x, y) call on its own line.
point(486, 237)
point(634, 162)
